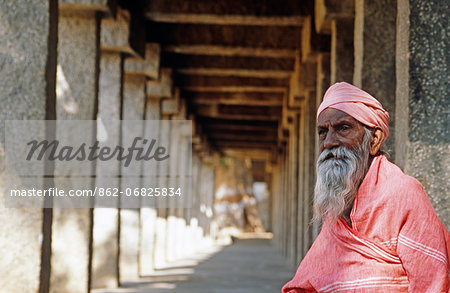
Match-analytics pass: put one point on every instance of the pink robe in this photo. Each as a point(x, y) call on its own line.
point(396, 243)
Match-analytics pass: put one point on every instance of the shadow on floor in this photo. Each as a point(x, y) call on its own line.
point(246, 266)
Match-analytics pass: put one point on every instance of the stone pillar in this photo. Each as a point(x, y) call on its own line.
point(322, 84)
point(187, 204)
point(374, 71)
point(77, 93)
point(195, 214)
point(156, 90)
point(174, 166)
point(300, 179)
point(134, 97)
point(421, 129)
point(137, 70)
point(294, 186)
point(148, 210)
point(184, 169)
point(159, 257)
point(275, 200)
point(322, 76)
point(27, 91)
point(308, 112)
point(114, 42)
point(337, 17)
point(208, 197)
point(286, 220)
point(342, 50)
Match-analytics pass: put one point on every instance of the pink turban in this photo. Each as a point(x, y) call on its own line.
point(356, 103)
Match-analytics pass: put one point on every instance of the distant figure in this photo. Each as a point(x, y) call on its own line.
point(380, 232)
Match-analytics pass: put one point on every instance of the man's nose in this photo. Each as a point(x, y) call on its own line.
point(330, 141)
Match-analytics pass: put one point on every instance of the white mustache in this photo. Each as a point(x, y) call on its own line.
point(340, 153)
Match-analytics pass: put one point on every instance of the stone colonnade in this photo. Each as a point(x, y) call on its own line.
point(84, 60)
point(391, 49)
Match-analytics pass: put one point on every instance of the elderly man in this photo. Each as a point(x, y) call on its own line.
point(380, 232)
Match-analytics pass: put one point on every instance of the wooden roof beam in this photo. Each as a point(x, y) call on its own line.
point(262, 12)
point(225, 62)
point(327, 10)
point(230, 98)
point(236, 72)
point(231, 51)
point(267, 37)
point(203, 81)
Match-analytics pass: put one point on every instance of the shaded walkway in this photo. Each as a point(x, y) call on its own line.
point(246, 266)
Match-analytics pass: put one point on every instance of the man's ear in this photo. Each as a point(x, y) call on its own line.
point(376, 141)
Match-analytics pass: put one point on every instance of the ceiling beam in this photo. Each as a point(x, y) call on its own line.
point(228, 81)
point(255, 131)
point(226, 62)
point(235, 89)
point(222, 19)
point(236, 72)
point(212, 122)
point(250, 12)
point(247, 102)
point(237, 137)
point(255, 154)
point(242, 7)
point(239, 112)
point(236, 98)
point(243, 144)
point(237, 127)
point(268, 37)
point(231, 51)
point(238, 116)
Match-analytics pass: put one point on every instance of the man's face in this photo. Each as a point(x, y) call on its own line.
point(342, 163)
point(337, 128)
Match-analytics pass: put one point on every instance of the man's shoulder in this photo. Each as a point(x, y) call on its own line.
point(396, 183)
point(392, 174)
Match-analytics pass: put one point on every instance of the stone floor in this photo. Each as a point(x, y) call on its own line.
point(246, 266)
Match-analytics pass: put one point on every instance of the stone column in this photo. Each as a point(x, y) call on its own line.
point(134, 97)
point(300, 179)
point(27, 91)
point(294, 186)
point(421, 129)
point(148, 210)
point(114, 42)
point(168, 109)
point(309, 121)
point(187, 206)
point(156, 90)
point(208, 197)
point(322, 76)
point(322, 84)
point(137, 70)
point(195, 214)
point(285, 208)
point(336, 17)
point(342, 50)
point(275, 200)
point(374, 71)
point(182, 171)
point(77, 93)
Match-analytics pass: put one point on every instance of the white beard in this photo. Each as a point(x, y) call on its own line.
point(338, 178)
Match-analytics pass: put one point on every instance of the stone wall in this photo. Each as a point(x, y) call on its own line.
point(422, 94)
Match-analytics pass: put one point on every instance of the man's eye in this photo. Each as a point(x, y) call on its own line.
point(344, 127)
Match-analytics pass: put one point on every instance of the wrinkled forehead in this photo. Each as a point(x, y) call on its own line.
point(331, 116)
